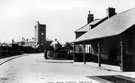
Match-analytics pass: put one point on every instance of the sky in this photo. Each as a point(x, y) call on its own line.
point(62, 17)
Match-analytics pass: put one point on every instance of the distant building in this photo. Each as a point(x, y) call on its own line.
point(48, 43)
point(29, 43)
point(39, 41)
point(25, 43)
point(40, 34)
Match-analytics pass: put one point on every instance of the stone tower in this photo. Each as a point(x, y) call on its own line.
point(40, 34)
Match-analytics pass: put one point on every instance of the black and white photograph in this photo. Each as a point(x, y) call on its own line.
point(67, 41)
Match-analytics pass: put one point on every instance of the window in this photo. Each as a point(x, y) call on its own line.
point(42, 33)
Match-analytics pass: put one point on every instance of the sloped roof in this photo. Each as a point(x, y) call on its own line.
point(87, 27)
point(47, 39)
point(110, 27)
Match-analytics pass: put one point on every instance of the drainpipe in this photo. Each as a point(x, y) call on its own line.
point(84, 56)
point(99, 55)
point(74, 52)
point(121, 46)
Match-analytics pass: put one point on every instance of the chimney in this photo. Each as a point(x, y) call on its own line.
point(90, 18)
point(38, 23)
point(110, 12)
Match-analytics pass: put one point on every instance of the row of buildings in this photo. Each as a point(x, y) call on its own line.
point(39, 41)
point(108, 40)
point(37, 44)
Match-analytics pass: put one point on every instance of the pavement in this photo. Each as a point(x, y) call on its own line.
point(33, 68)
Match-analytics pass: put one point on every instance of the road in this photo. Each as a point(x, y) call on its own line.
point(35, 69)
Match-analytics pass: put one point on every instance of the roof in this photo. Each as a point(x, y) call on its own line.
point(47, 39)
point(87, 27)
point(110, 27)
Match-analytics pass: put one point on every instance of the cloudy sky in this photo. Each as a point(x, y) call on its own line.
point(62, 17)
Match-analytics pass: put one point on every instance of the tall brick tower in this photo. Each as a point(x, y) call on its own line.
point(40, 34)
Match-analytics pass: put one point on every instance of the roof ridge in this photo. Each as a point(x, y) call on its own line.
point(123, 12)
point(113, 26)
point(81, 27)
point(100, 19)
point(88, 24)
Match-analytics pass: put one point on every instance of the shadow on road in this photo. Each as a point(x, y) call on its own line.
point(54, 61)
point(57, 62)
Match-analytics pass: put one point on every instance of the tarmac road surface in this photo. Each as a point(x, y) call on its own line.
point(35, 69)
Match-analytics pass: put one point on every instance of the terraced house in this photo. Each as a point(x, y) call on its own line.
point(111, 41)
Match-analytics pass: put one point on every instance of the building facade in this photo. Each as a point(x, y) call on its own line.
point(111, 41)
point(91, 24)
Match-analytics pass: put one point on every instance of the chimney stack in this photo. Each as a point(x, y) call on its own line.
point(90, 18)
point(38, 22)
point(110, 12)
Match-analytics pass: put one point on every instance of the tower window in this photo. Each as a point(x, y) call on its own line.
point(42, 33)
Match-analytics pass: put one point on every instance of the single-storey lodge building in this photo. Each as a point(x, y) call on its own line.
point(109, 40)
